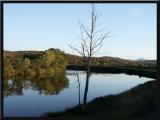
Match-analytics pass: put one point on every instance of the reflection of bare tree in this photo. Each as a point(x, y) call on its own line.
point(79, 83)
point(91, 42)
point(79, 87)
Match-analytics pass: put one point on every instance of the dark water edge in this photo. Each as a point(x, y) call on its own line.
point(141, 102)
point(142, 72)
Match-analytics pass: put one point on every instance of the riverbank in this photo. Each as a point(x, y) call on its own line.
point(141, 102)
point(140, 71)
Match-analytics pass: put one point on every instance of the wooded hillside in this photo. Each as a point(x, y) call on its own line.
point(56, 59)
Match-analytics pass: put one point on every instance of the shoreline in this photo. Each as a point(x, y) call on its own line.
point(140, 102)
point(140, 71)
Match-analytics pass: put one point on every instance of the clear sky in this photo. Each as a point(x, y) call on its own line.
point(41, 26)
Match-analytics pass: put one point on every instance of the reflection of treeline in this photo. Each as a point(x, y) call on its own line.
point(48, 85)
point(34, 63)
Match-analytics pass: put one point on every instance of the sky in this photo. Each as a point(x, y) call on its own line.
point(42, 26)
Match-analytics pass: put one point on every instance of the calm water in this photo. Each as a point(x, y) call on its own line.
point(30, 98)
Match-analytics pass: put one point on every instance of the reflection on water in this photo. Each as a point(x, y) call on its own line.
point(73, 73)
point(33, 96)
point(49, 85)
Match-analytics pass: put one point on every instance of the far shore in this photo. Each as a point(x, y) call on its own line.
point(140, 71)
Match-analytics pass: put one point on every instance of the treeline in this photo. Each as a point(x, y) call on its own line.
point(34, 63)
point(106, 62)
point(46, 63)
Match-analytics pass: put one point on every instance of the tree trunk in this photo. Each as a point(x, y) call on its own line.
point(86, 87)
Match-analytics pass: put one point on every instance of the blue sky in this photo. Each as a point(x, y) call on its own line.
point(42, 26)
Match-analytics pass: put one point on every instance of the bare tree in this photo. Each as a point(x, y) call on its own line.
point(91, 42)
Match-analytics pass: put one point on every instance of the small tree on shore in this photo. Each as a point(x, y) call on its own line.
point(91, 42)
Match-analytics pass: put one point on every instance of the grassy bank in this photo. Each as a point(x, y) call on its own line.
point(141, 102)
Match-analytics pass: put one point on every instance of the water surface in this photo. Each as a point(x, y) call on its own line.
point(33, 98)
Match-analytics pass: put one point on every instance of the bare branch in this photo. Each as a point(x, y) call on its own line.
point(99, 47)
point(91, 38)
point(85, 30)
point(99, 31)
point(100, 40)
point(75, 49)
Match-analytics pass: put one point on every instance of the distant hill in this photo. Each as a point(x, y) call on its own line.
point(95, 61)
point(148, 62)
point(104, 61)
point(140, 59)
